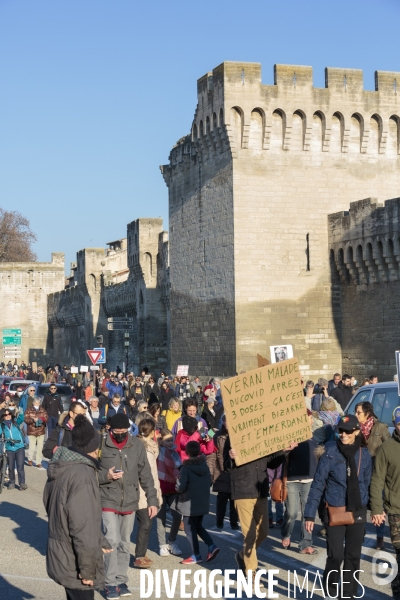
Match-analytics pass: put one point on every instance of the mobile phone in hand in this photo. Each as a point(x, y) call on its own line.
point(118, 471)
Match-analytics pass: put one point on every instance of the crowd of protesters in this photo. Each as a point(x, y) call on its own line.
point(138, 446)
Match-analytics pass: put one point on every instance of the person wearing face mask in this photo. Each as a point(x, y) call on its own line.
point(124, 466)
point(36, 418)
point(15, 446)
point(61, 435)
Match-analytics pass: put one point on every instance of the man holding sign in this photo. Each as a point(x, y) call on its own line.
point(266, 418)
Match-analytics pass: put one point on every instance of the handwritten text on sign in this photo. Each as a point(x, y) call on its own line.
point(265, 410)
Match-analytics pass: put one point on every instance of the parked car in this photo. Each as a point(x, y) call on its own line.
point(14, 384)
point(63, 389)
point(384, 397)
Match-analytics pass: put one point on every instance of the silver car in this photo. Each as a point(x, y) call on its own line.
point(384, 397)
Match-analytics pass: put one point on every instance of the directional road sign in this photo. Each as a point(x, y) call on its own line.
point(102, 359)
point(94, 355)
point(119, 326)
point(12, 340)
point(12, 331)
point(120, 319)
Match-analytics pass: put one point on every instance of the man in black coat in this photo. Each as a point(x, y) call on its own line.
point(249, 490)
point(53, 405)
point(343, 392)
point(75, 545)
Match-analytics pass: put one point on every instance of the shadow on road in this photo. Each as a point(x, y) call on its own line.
point(31, 529)
point(11, 592)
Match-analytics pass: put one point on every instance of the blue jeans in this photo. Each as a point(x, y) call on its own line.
point(279, 510)
point(16, 458)
point(51, 424)
point(297, 494)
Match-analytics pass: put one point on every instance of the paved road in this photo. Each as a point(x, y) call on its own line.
point(23, 534)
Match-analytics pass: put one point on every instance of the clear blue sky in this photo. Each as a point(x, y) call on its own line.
point(94, 93)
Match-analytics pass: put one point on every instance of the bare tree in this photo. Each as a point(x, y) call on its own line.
point(16, 238)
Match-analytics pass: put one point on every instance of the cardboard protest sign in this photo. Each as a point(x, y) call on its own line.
point(265, 410)
point(182, 371)
point(261, 361)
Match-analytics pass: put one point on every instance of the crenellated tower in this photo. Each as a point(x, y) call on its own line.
point(250, 189)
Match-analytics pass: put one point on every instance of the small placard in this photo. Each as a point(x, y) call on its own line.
point(74, 369)
point(281, 352)
point(182, 371)
point(94, 368)
point(84, 369)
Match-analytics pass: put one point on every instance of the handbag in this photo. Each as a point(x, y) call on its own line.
point(278, 489)
point(338, 515)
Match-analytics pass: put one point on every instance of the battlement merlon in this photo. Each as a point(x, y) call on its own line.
point(365, 218)
point(239, 84)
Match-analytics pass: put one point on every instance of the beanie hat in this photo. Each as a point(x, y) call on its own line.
point(396, 415)
point(328, 404)
point(119, 421)
point(189, 424)
point(85, 438)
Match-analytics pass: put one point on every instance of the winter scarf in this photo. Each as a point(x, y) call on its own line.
point(184, 391)
point(329, 417)
point(353, 496)
point(367, 427)
point(168, 463)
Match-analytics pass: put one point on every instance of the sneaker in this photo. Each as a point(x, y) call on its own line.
point(174, 549)
point(220, 525)
point(124, 590)
point(212, 552)
point(29, 463)
point(40, 467)
point(164, 550)
point(112, 592)
point(11, 486)
point(143, 562)
point(192, 560)
point(23, 486)
point(240, 563)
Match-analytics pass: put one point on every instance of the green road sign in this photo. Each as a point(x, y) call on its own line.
point(12, 340)
point(12, 331)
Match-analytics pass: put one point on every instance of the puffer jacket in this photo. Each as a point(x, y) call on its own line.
point(13, 435)
point(123, 494)
point(72, 500)
point(331, 480)
point(183, 438)
point(193, 487)
point(386, 477)
point(152, 451)
point(32, 416)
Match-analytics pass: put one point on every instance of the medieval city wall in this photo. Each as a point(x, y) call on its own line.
point(365, 264)
point(296, 154)
point(24, 289)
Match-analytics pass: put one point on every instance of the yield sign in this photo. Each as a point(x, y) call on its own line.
point(94, 355)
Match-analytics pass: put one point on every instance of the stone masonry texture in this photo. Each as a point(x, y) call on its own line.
point(250, 191)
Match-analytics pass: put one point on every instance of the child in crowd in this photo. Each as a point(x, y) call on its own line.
point(193, 502)
point(168, 463)
point(325, 421)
